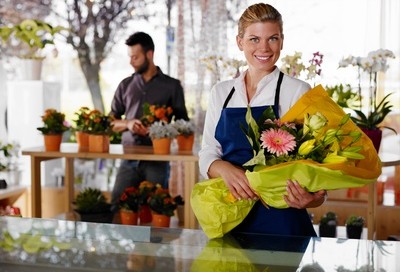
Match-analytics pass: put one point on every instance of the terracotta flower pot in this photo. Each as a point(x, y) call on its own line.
point(99, 143)
point(161, 146)
point(185, 143)
point(128, 217)
point(161, 220)
point(145, 214)
point(82, 138)
point(52, 142)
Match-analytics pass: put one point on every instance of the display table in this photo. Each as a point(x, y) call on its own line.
point(70, 151)
point(28, 244)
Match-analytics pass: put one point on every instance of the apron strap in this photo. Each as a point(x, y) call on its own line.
point(277, 93)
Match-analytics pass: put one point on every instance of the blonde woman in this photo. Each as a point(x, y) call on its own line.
point(224, 146)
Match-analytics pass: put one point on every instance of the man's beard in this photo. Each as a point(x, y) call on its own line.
point(144, 67)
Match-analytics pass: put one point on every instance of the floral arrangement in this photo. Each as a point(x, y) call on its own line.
point(155, 113)
point(315, 143)
point(54, 122)
point(83, 119)
point(146, 188)
point(9, 153)
point(274, 141)
point(162, 129)
point(293, 66)
point(130, 199)
point(184, 127)
point(222, 67)
point(371, 113)
point(99, 123)
point(162, 202)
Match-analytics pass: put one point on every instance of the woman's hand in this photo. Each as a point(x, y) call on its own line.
point(234, 178)
point(299, 198)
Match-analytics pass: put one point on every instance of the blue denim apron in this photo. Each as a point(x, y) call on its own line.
point(237, 150)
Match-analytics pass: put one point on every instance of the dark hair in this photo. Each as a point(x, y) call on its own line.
point(259, 13)
point(141, 38)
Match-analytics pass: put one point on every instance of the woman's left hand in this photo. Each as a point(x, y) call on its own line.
point(299, 198)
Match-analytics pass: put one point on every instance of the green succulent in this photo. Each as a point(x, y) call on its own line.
point(91, 200)
point(354, 220)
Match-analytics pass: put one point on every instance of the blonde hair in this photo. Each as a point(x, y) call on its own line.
point(258, 13)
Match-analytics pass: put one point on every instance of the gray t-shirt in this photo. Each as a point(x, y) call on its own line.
point(133, 92)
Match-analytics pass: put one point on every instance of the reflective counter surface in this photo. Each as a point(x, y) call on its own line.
point(55, 245)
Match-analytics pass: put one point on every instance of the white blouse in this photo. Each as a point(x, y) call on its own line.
point(291, 90)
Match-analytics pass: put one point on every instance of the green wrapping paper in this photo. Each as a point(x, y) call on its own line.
point(217, 211)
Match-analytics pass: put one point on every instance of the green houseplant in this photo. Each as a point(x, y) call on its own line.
point(91, 205)
point(327, 225)
point(34, 34)
point(354, 226)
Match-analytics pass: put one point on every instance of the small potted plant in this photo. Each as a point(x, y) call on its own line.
point(146, 188)
point(327, 225)
point(129, 202)
point(161, 134)
point(54, 125)
point(91, 205)
point(185, 138)
point(163, 206)
point(82, 128)
point(99, 129)
point(29, 38)
point(180, 207)
point(354, 226)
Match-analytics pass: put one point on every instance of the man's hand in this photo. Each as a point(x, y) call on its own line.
point(134, 125)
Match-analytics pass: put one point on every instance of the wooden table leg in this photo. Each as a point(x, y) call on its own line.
point(191, 177)
point(371, 210)
point(69, 182)
point(36, 188)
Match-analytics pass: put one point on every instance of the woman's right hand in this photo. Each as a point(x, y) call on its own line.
point(234, 177)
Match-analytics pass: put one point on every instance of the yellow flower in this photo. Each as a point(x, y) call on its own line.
point(334, 158)
point(306, 147)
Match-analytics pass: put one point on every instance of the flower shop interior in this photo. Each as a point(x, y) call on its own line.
point(356, 60)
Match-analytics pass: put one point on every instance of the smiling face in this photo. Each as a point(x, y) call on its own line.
point(261, 44)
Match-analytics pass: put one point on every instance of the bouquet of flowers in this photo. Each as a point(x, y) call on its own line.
point(314, 143)
point(154, 113)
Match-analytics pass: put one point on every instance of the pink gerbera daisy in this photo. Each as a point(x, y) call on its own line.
point(277, 141)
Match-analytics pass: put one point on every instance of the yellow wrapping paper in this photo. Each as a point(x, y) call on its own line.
point(217, 215)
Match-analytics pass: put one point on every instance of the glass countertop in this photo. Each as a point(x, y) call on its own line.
point(28, 244)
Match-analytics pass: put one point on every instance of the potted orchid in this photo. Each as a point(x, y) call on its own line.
point(370, 113)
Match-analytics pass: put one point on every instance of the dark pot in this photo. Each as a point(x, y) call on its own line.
point(354, 232)
point(327, 230)
point(375, 135)
point(100, 217)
